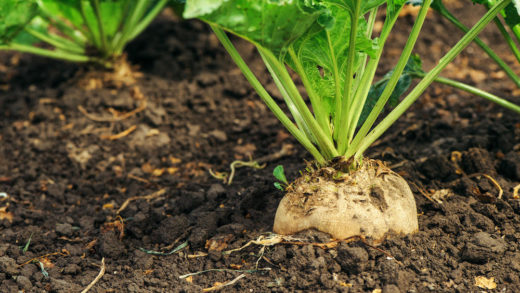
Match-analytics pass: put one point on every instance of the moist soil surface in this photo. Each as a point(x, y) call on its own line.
point(120, 174)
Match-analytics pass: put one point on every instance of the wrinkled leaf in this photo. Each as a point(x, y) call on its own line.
point(14, 16)
point(413, 66)
point(178, 6)
point(511, 14)
point(69, 10)
point(271, 24)
point(320, 52)
point(351, 5)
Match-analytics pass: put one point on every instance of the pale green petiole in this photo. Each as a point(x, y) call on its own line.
point(350, 119)
point(512, 75)
point(57, 54)
point(430, 77)
point(264, 95)
point(508, 39)
point(344, 103)
point(315, 99)
point(394, 78)
point(478, 92)
point(371, 22)
point(324, 143)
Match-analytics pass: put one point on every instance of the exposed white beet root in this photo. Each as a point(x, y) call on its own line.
point(370, 202)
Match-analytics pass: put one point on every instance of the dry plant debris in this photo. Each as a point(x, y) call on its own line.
point(63, 252)
point(150, 196)
point(219, 285)
point(485, 283)
point(98, 277)
point(500, 190)
point(5, 215)
point(122, 134)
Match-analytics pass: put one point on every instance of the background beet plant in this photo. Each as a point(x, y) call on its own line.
point(75, 30)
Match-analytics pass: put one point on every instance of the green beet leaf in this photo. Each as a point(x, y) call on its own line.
point(69, 10)
point(511, 14)
point(323, 56)
point(273, 25)
point(279, 174)
point(352, 5)
point(14, 16)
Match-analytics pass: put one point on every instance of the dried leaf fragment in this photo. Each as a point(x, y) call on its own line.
point(4, 214)
point(343, 284)
point(485, 283)
point(441, 194)
point(108, 206)
point(219, 242)
point(47, 262)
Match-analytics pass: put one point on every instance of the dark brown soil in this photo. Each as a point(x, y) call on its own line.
point(65, 176)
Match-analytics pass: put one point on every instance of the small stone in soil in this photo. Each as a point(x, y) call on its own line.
point(510, 165)
point(24, 282)
point(111, 246)
point(215, 191)
point(155, 114)
point(391, 289)
point(482, 247)
point(279, 254)
point(71, 269)
point(198, 237)
point(64, 229)
point(8, 265)
point(56, 190)
point(58, 285)
point(352, 259)
point(219, 135)
point(170, 229)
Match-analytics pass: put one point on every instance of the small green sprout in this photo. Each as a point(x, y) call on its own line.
point(42, 268)
point(26, 247)
point(279, 174)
